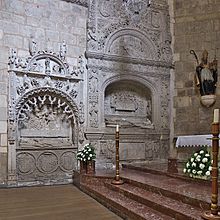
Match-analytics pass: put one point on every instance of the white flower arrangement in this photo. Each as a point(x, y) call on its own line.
point(199, 165)
point(87, 153)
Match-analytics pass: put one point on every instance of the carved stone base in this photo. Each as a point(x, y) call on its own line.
point(208, 100)
point(209, 216)
point(90, 167)
point(12, 180)
point(172, 165)
point(83, 167)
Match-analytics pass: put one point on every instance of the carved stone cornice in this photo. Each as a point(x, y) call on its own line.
point(130, 60)
point(38, 74)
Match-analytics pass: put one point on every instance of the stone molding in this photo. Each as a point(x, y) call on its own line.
point(83, 3)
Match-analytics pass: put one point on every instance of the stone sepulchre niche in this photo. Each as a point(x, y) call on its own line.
point(45, 138)
point(128, 104)
point(43, 122)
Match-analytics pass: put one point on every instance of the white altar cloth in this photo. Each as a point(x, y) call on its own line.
point(194, 140)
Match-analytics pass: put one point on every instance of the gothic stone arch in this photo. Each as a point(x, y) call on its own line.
point(130, 97)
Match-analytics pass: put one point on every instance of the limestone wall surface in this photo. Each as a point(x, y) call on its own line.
point(197, 27)
point(49, 22)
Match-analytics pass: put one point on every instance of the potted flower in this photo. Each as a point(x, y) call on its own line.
point(87, 156)
point(199, 165)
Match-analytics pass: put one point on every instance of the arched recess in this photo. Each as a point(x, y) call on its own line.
point(47, 136)
point(131, 43)
point(139, 99)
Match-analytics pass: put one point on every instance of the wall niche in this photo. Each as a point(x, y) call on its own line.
point(128, 103)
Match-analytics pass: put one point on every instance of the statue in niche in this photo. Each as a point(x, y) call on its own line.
point(166, 50)
point(93, 81)
point(206, 74)
point(63, 50)
point(48, 81)
point(91, 34)
point(32, 47)
point(47, 65)
point(26, 82)
point(93, 115)
point(56, 69)
point(12, 58)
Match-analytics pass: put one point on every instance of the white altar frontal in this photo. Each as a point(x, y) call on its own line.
point(194, 141)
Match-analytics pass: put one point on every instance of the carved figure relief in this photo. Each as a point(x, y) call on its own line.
point(93, 81)
point(131, 46)
point(128, 106)
point(93, 112)
point(135, 7)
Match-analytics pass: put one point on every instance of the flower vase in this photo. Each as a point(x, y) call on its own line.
point(91, 167)
point(83, 167)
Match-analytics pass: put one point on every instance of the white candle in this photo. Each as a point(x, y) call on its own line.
point(117, 128)
point(216, 116)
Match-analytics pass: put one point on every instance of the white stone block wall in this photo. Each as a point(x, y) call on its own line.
point(49, 22)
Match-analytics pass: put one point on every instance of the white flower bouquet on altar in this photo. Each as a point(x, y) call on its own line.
point(199, 165)
point(87, 153)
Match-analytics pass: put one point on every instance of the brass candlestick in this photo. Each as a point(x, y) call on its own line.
point(117, 180)
point(214, 213)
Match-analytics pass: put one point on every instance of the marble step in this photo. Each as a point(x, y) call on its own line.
point(174, 208)
point(125, 207)
point(192, 193)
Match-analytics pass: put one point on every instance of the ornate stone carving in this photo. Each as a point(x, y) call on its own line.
point(26, 163)
point(93, 81)
point(47, 162)
point(107, 150)
point(44, 116)
point(93, 112)
point(67, 161)
point(128, 106)
point(134, 16)
point(136, 7)
point(131, 46)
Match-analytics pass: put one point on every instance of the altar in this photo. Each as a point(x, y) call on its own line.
point(194, 141)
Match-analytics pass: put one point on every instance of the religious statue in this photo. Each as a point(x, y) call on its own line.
point(32, 47)
point(63, 50)
point(206, 74)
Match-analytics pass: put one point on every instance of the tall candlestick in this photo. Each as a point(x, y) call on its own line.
point(216, 116)
point(117, 180)
point(214, 213)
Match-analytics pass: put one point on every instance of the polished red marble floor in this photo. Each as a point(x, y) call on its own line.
point(197, 189)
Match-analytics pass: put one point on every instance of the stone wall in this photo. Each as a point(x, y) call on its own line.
point(49, 22)
point(197, 27)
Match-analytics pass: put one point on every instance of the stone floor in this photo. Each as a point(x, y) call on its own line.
point(64, 202)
